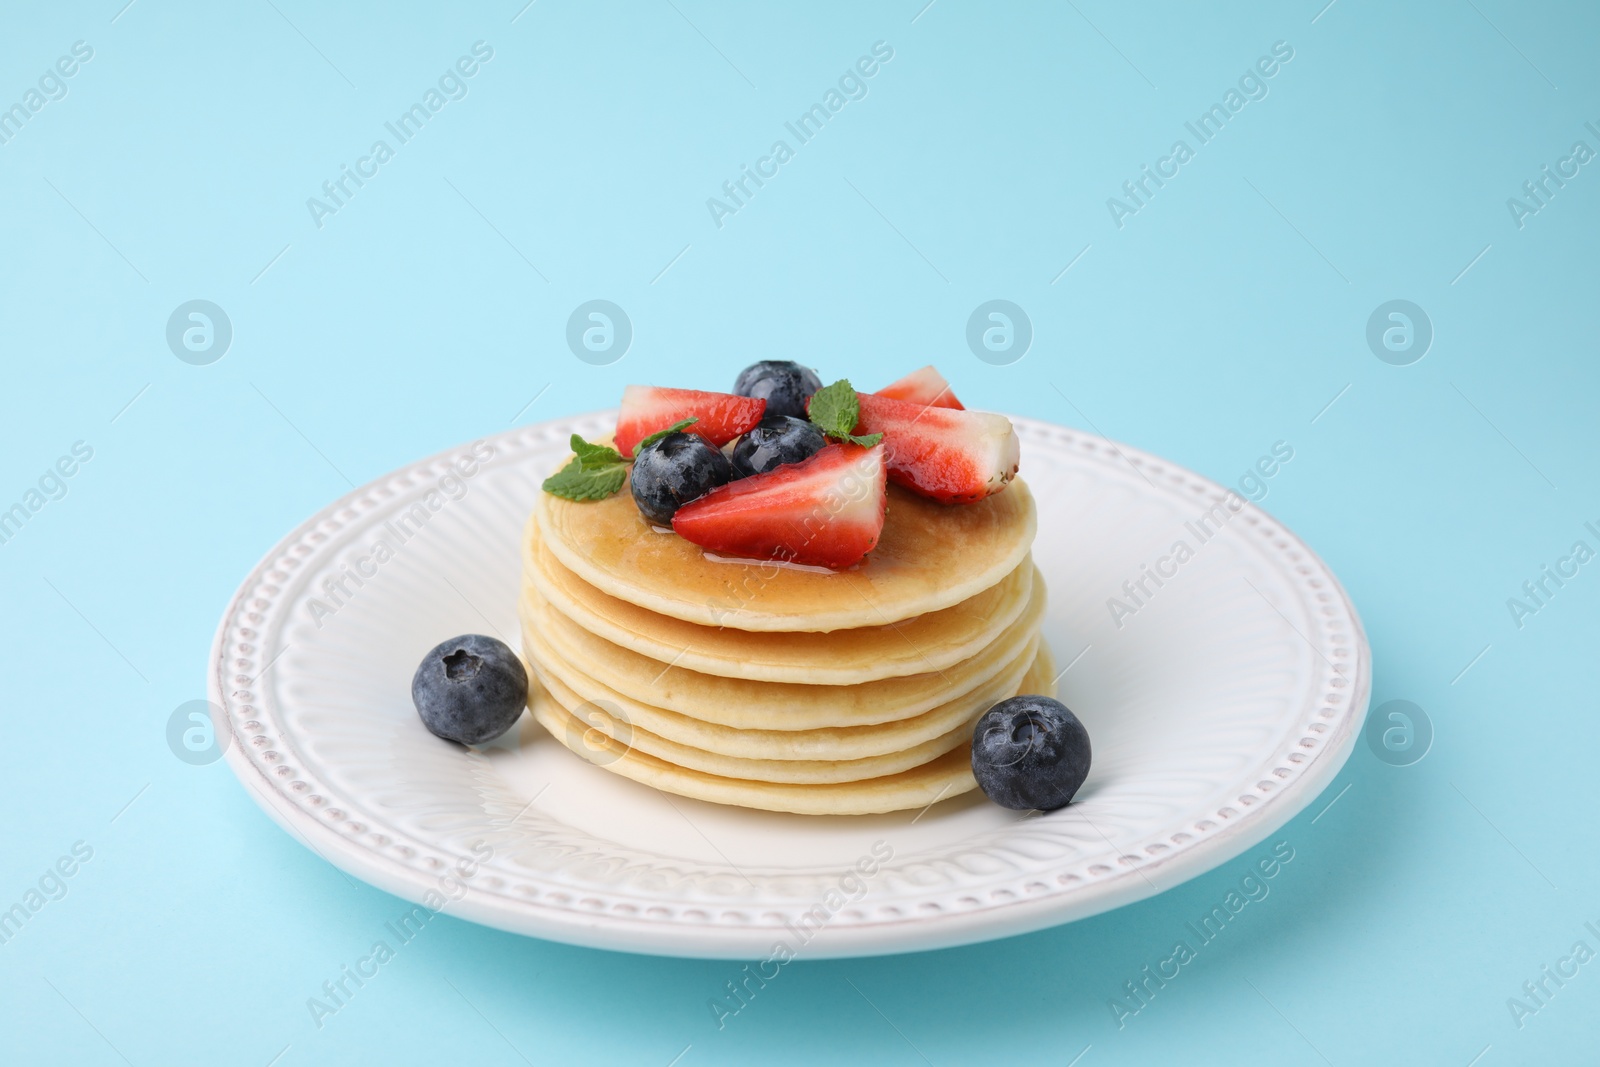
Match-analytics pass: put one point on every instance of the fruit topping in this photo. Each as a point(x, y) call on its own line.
point(925, 386)
point(785, 386)
point(1030, 752)
point(470, 689)
point(674, 469)
point(826, 511)
point(719, 417)
point(776, 440)
point(953, 456)
point(659, 434)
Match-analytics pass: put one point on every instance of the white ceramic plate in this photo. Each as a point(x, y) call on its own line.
point(1222, 706)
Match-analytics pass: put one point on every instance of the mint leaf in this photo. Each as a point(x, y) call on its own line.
point(574, 482)
point(593, 457)
point(594, 473)
point(835, 410)
point(659, 434)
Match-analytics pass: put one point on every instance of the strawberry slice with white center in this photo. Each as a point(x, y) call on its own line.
point(648, 408)
point(826, 511)
point(955, 457)
point(925, 386)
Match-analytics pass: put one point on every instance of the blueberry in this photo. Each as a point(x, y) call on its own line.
point(774, 441)
point(470, 689)
point(675, 470)
point(785, 385)
point(1030, 752)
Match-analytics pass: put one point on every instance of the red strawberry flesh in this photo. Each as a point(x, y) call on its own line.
point(648, 408)
point(925, 386)
point(825, 511)
point(955, 457)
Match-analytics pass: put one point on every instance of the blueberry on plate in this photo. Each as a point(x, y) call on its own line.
point(774, 441)
point(784, 385)
point(1030, 752)
point(678, 468)
point(470, 689)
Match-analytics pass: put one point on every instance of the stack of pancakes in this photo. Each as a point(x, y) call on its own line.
point(780, 687)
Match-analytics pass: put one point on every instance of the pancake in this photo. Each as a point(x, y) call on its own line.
point(930, 642)
point(946, 776)
point(572, 687)
point(746, 705)
point(930, 556)
point(594, 717)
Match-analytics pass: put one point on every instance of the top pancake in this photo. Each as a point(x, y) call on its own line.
point(929, 557)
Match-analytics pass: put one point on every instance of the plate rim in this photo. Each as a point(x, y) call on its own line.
point(861, 938)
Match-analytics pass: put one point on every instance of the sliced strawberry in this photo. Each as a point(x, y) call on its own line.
point(648, 408)
point(925, 386)
point(955, 457)
point(826, 511)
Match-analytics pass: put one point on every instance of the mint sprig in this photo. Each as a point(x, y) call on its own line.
point(659, 434)
point(835, 410)
point(598, 471)
point(594, 473)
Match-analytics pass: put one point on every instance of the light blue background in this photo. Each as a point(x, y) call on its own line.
point(1222, 317)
